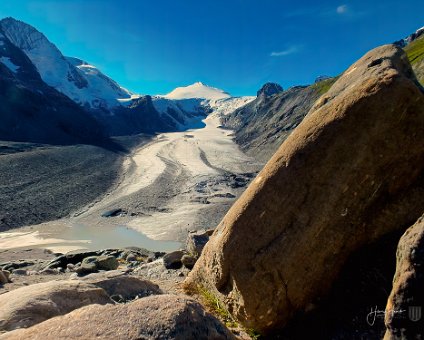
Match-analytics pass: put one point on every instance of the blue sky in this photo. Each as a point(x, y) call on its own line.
point(154, 46)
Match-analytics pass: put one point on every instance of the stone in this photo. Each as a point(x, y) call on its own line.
point(73, 258)
point(118, 282)
point(173, 260)
point(107, 262)
point(113, 213)
point(154, 317)
point(131, 257)
point(349, 174)
point(50, 271)
point(92, 264)
point(196, 241)
point(405, 319)
point(188, 261)
point(4, 277)
point(21, 272)
point(88, 265)
point(17, 264)
point(27, 306)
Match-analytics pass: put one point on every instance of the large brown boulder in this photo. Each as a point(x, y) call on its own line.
point(350, 173)
point(27, 306)
point(154, 317)
point(405, 306)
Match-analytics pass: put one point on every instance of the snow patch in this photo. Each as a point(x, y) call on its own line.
point(8, 63)
point(186, 113)
point(223, 107)
point(128, 101)
point(197, 90)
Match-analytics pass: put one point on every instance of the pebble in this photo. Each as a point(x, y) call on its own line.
point(20, 272)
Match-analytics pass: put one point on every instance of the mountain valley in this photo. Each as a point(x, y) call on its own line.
point(264, 209)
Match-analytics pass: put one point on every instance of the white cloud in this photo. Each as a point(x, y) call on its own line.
point(342, 9)
point(285, 52)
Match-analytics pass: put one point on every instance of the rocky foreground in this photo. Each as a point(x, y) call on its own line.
point(73, 296)
point(314, 234)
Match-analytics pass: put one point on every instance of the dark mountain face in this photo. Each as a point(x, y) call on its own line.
point(34, 112)
point(269, 89)
point(80, 105)
point(263, 124)
point(140, 116)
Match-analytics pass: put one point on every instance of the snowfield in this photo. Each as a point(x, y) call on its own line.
point(197, 90)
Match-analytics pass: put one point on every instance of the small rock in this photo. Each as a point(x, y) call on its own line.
point(50, 271)
point(6, 273)
point(131, 257)
point(173, 260)
point(4, 278)
point(88, 265)
point(188, 261)
point(70, 266)
point(118, 298)
point(74, 276)
point(20, 272)
point(113, 213)
point(196, 241)
point(107, 262)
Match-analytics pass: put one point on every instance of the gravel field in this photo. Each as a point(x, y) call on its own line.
point(40, 183)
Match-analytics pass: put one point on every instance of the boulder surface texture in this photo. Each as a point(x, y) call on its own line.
point(350, 173)
point(154, 317)
point(405, 306)
point(27, 306)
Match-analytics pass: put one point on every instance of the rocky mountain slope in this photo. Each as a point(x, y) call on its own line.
point(81, 82)
point(415, 52)
point(95, 98)
point(263, 124)
point(35, 112)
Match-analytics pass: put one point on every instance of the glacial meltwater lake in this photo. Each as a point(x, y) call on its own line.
point(115, 237)
point(63, 238)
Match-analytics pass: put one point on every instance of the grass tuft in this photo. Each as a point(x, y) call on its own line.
point(213, 303)
point(415, 51)
point(216, 307)
point(323, 86)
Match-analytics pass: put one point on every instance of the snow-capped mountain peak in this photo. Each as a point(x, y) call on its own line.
point(197, 90)
point(78, 80)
